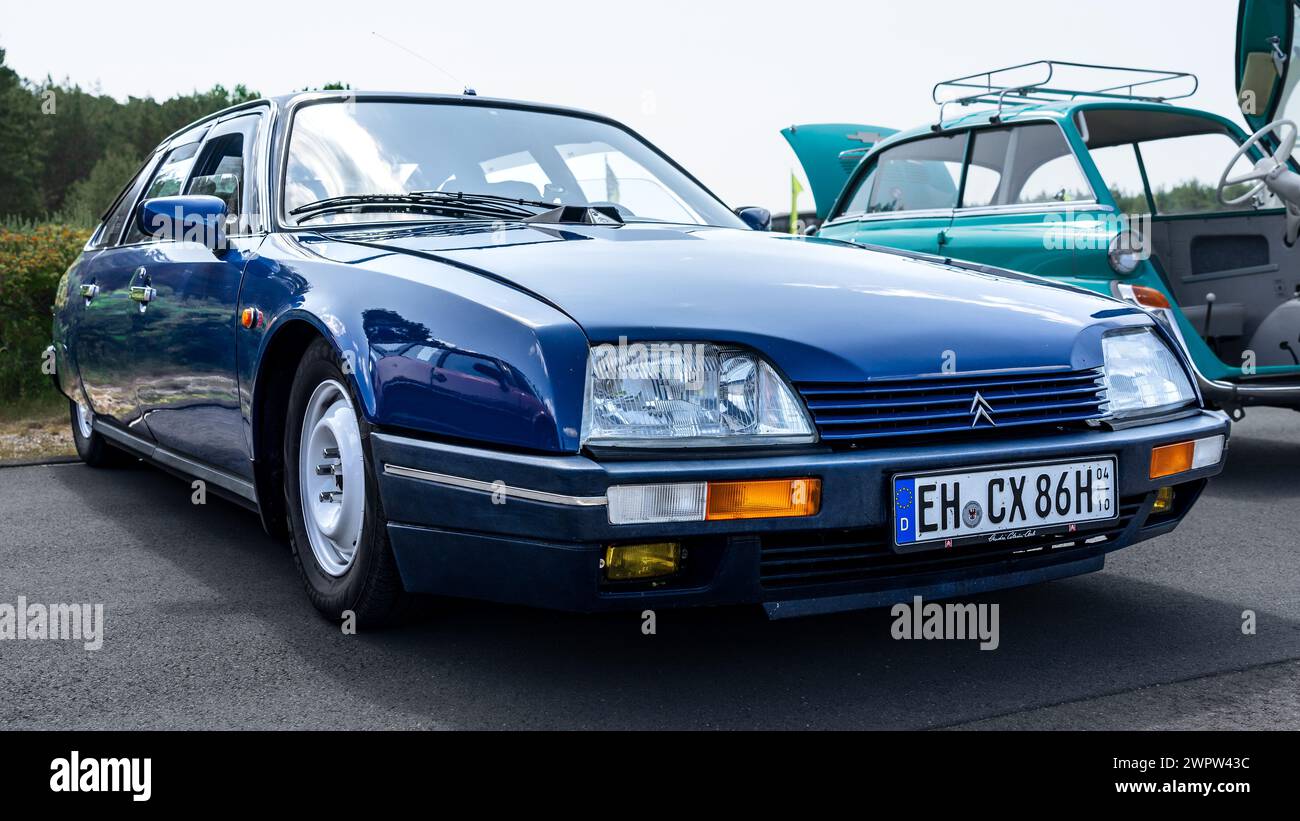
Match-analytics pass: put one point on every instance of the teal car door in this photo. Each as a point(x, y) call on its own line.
point(904, 196)
point(1265, 48)
point(1023, 193)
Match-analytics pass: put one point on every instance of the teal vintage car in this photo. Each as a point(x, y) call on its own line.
point(1095, 176)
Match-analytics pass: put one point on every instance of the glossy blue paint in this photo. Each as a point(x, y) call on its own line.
point(201, 218)
point(466, 344)
point(478, 330)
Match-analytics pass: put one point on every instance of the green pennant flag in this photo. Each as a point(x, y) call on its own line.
point(795, 190)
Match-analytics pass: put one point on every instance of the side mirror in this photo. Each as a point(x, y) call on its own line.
point(198, 218)
point(760, 219)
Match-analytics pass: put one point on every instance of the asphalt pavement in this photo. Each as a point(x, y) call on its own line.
point(206, 627)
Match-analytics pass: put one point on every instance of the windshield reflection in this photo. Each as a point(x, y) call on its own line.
point(381, 147)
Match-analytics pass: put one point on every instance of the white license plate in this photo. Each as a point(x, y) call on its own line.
point(1018, 501)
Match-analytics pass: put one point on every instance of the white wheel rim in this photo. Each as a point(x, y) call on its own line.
point(84, 420)
point(332, 478)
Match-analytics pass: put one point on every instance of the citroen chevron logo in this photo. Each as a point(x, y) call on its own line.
point(981, 409)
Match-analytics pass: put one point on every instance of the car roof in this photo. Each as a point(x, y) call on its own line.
point(288, 101)
point(1057, 110)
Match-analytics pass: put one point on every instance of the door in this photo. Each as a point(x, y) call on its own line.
point(1265, 49)
point(904, 196)
point(828, 153)
point(1023, 187)
point(104, 321)
point(185, 347)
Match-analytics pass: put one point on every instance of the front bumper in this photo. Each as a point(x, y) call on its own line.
point(531, 529)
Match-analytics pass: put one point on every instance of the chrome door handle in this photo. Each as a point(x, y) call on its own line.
point(143, 294)
point(89, 291)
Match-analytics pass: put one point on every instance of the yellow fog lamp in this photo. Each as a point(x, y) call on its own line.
point(1164, 500)
point(629, 562)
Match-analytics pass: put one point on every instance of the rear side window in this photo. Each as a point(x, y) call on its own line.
point(116, 219)
point(916, 176)
point(1023, 165)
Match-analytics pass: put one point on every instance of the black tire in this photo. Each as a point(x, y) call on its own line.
point(94, 449)
point(371, 587)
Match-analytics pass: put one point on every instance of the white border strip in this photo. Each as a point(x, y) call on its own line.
point(495, 487)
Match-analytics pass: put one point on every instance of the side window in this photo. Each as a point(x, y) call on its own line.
point(857, 204)
point(111, 229)
point(919, 175)
point(988, 159)
point(1043, 168)
point(219, 171)
point(223, 170)
point(166, 182)
point(1023, 165)
point(1119, 169)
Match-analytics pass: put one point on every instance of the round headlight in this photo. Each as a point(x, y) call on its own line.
point(1126, 252)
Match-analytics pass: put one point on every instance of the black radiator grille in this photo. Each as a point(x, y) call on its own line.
point(949, 404)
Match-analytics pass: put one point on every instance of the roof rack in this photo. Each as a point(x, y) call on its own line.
point(995, 87)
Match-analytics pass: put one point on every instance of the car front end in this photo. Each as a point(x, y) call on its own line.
point(706, 474)
point(580, 396)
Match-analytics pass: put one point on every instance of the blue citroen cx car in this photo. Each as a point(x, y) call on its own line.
point(513, 352)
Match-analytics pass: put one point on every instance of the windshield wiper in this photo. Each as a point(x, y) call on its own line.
point(435, 202)
point(475, 197)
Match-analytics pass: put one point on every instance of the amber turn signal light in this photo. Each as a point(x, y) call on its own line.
point(1149, 297)
point(764, 499)
point(1167, 460)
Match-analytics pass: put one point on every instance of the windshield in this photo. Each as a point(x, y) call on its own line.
point(368, 148)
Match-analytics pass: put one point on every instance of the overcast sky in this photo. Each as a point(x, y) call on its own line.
point(711, 83)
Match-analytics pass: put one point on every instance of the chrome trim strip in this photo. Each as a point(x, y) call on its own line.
point(494, 487)
point(1086, 206)
point(155, 453)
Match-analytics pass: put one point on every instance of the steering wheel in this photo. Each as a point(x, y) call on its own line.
point(1268, 165)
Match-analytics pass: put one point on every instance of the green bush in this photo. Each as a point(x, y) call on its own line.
point(33, 259)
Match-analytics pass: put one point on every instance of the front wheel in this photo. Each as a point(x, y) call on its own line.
point(336, 524)
point(92, 447)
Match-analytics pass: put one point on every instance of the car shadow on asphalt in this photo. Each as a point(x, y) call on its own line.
point(500, 666)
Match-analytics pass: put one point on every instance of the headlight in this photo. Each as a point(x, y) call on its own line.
point(1126, 252)
point(1142, 374)
point(657, 394)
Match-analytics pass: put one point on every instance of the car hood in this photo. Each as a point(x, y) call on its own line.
point(822, 310)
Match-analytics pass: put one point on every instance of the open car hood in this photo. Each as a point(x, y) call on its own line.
point(828, 153)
